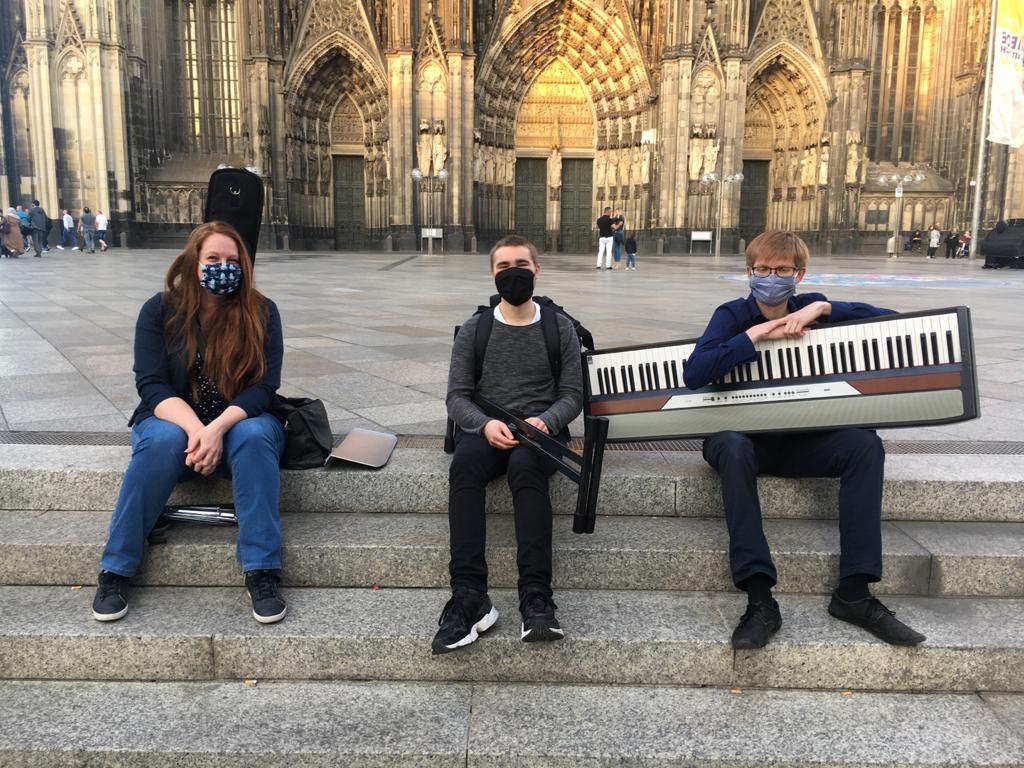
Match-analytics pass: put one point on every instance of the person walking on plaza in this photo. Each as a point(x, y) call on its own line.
point(208, 353)
point(68, 238)
point(934, 238)
point(776, 263)
point(37, 220)
point(13, 242)
point(618, 235)
point(605, 232)
point(101, 230)
point(516, 373)
point(26, 228)
point(87, 226)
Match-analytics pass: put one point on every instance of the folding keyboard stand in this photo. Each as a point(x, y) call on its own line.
point(583, 469)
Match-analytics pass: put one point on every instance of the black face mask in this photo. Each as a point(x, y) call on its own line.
point(515, 285)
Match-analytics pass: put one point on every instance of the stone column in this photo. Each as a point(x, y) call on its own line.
point(401, 146)
point(731, 137)
point(44, 155)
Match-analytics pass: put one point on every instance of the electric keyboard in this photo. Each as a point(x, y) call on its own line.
point(912, 369)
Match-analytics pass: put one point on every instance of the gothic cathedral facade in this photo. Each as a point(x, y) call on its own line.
point(375, 121)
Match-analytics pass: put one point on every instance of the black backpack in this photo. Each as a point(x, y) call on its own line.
point(549, 327)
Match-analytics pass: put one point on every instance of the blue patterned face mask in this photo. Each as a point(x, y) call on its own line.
point(221, 279)
point(772, 290)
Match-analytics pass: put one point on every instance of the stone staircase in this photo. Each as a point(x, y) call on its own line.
point(645, 676)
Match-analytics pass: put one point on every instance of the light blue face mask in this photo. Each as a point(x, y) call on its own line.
point(772, 290)
point(220, 279)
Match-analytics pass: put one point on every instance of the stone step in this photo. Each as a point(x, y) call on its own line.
point(359, 725)
point(644, 638)
point(403, 550)
point(671, 483)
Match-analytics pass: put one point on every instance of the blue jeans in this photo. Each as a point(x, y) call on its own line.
point(89, 236)
point(617, 249)
point(630, 259)
point(252, 453)
point(67, 238)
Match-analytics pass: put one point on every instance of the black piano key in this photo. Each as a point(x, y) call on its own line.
point(675, 375)
point(874, 354)
point(842, 356)
point(625, 379)
point(668, 376)
point(924, 349)
point(657, 378)
point(949, 346)
point(615, 382)
point(821, 361)
point(892, 355)
point(768, 366)
point(747, 371)
point(600, 381)
point(810, 362)
point(642, 373)
point(910, 352)
point(799, 364)
point(632, 380)
point(789, 363)
point(935, 348)
point(867, 355)
point(899, 352)
point(760, 366)
point(782, 365)
point(853, 357)
point(835, 359)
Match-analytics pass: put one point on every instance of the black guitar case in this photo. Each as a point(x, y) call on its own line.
point(235, 196)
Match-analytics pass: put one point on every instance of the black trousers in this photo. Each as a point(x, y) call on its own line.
point(475, 464)
point(855, 456)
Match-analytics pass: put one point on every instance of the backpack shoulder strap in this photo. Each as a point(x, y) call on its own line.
point(484, 324)
point(549, 326)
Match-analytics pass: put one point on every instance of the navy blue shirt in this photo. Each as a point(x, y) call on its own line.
point(162, 372)
point(725, 343)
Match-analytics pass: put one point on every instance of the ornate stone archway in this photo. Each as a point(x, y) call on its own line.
point(785, 125)
point(604, 54)
point(333, 70)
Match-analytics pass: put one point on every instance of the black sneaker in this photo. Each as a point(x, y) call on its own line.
point(759, 622)
point(539, 622)
point(465, 616)
point(873, 616)
point(111, 601)
point(264, 589)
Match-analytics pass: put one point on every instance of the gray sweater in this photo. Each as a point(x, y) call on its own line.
point(516, 375)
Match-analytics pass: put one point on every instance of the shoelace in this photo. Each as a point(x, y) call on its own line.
point(537, 602)
point(456, 606)
point(108, 588)
point(265, 586)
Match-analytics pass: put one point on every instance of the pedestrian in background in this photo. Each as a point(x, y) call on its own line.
point(37, 220)
point(67, 232)
point(87, 226)
point(952, 241)
point(13, 242)
point(101, 230)
point(934, 236)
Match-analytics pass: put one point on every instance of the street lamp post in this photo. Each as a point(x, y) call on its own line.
point(716, 178)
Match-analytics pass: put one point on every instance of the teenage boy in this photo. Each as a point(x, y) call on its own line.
point(516, 374)
point(776, 263)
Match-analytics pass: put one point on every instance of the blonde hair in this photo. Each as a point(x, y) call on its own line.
point(778, 243)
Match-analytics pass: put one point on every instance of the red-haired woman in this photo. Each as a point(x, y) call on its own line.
point(208, 355)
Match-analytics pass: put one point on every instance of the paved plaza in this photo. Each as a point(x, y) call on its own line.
point(370, 334)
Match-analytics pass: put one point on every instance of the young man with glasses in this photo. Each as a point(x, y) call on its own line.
point(776, 263)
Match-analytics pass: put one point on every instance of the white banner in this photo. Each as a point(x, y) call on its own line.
point(1006, 118)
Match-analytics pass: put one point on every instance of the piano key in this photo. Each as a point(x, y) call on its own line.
point(675, 375)
point(890, 354)
point(615, 382)
point(747, 371)
point(822, 368)
point(760, 366)
point(835, 359)
point(632, 379)
point(924, 349)
point(782, 364)
point(668, 374)
point(657, 378)
point(865, 354)
point(790, 367)
point(852, 356)
point(910, 351)
point(899, 352)
point(768, 367)
point(949, 346)
point(874, 354)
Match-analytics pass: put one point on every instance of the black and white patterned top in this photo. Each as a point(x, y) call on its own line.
point(208, 402)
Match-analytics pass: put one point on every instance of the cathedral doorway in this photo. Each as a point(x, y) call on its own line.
point(753, 199)
point(531, 195)
point(349, 203)
point(577, 193)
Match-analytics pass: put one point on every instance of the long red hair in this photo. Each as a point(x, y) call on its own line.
point(233, 357)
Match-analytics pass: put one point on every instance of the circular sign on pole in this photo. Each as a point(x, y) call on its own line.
point(899, 191)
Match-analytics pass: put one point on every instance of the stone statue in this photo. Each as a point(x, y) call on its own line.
point(792, 168)
point(852, 157)
point(823, 166)
point(555, 168)
point(424, 143)
point(489, 163)
point(600, 170)
point(509, 167)
point(645, 164)
point(635, 175)
point(613, 168)
point(807, 168)
point(696, 158)
point(710, 155)
point(439, 149)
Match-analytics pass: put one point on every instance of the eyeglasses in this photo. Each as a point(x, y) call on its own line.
point(762, 271)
